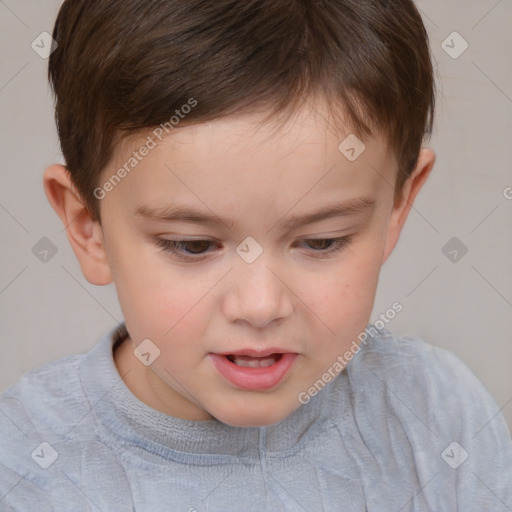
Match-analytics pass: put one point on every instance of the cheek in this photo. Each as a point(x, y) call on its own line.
point(155, 294)
point(343, 297)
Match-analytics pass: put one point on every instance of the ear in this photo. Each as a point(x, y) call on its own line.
point(402, 206)
point(84, 234)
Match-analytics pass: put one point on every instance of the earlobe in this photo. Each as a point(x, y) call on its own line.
point(84, 234)
point(402, 208)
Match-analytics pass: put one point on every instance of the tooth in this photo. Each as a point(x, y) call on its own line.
point(262, 362)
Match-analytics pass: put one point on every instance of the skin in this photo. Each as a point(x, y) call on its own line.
point(292, 296)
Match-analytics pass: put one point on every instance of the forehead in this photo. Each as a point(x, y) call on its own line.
point(293, 135)
point(241, 156)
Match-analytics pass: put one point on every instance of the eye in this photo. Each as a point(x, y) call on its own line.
point(175, 246)
point(335, 244)
point(199, 247)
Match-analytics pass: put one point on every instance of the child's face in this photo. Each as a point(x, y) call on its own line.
point(295, 297)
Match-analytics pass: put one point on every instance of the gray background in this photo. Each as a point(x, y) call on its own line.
point(49, 310)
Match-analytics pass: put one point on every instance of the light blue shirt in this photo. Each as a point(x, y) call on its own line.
point(405, 427)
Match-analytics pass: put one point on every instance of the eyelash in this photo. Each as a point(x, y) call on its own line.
point(173, 246)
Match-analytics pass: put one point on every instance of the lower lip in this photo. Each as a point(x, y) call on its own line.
point(254, 378)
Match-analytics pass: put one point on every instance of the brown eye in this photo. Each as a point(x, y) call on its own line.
point(320, 244)
point(182, 248)
point(333, 244)
point(196, 246)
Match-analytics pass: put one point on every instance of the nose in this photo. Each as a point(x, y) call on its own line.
point(257, 294)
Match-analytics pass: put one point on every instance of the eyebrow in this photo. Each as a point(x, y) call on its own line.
point(182, 213)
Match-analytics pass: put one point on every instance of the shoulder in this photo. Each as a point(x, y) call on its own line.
point(384, 354)
point(37, 417)
point(45, 398)
point(421, 405)
point(432, 381)
point(428, 374)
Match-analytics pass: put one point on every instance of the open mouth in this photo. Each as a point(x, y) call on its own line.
point(254, 362)
point(254, 372)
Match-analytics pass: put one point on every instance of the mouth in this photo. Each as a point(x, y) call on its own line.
point(253, 370)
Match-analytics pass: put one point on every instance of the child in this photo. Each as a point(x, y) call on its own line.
point(241, 170)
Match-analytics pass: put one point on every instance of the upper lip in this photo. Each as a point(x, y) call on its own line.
point(255, 353)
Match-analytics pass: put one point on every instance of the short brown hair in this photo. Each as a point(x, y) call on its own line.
point(123, 66)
